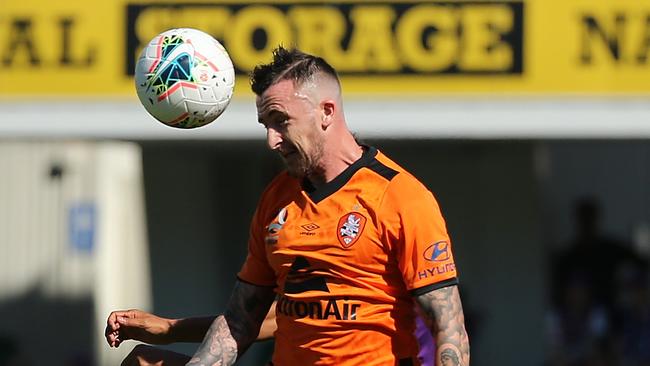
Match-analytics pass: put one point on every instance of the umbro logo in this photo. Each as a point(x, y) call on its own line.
point(310, 227)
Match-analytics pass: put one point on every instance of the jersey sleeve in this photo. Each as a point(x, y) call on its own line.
point(417, 235)
point(256, 269)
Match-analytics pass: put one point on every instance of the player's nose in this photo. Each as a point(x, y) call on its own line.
point(273, 138)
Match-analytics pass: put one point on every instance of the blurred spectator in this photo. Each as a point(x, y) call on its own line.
point(10, 354)
point(8, 350)
point(592, 254)
point(577, 327)
point(632, 325)
point(586, 291)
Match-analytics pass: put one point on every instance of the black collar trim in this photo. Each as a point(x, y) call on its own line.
point(324, 191)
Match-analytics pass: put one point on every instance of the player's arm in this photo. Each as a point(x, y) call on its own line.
point(149, 328)
point(444, 311)
point(269, 326)
point(233, 332)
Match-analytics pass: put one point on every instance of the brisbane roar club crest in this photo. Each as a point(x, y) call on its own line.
point(350, 228)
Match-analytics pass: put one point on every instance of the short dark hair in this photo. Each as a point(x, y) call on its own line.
point(289, 65)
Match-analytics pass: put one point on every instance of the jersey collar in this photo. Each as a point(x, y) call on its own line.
point(327, 189)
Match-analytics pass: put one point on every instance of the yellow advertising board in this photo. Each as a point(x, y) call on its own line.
point(529, 47)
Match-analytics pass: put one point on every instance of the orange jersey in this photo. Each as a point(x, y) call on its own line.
point(347, 259)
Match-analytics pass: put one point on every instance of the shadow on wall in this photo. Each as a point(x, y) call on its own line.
point(36, 326)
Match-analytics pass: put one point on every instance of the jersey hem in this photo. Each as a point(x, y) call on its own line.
point(434, 286)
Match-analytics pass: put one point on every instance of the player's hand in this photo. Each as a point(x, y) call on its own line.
point(137, 325)
point(150, 356)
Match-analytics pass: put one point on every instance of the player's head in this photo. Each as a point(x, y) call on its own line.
point(294, 65)
point(299, 103)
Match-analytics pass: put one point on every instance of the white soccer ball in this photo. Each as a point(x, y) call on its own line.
point(184, 78)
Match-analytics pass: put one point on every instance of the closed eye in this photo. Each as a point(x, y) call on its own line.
point(275, 120)
point(279, 122)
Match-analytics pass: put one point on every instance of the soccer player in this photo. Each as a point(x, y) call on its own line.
point(346, 239)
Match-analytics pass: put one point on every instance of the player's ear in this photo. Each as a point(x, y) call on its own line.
point(328, 109)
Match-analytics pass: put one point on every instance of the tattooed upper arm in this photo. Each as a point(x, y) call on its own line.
point(233, 332)
point(444, 312)
point(246, 311)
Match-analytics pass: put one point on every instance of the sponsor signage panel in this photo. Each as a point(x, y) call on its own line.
point(531, 47)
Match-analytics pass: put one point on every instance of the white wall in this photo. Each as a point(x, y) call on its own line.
point(380, 117)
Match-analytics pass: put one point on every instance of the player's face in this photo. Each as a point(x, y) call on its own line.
point(291, 119)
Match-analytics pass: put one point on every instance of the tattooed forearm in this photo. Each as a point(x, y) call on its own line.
point(218, 347)
point(231, 334)
point(445, 311)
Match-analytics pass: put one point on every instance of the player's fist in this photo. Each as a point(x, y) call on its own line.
point(138, 325)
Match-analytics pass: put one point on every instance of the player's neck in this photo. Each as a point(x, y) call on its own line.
point(337, 157)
